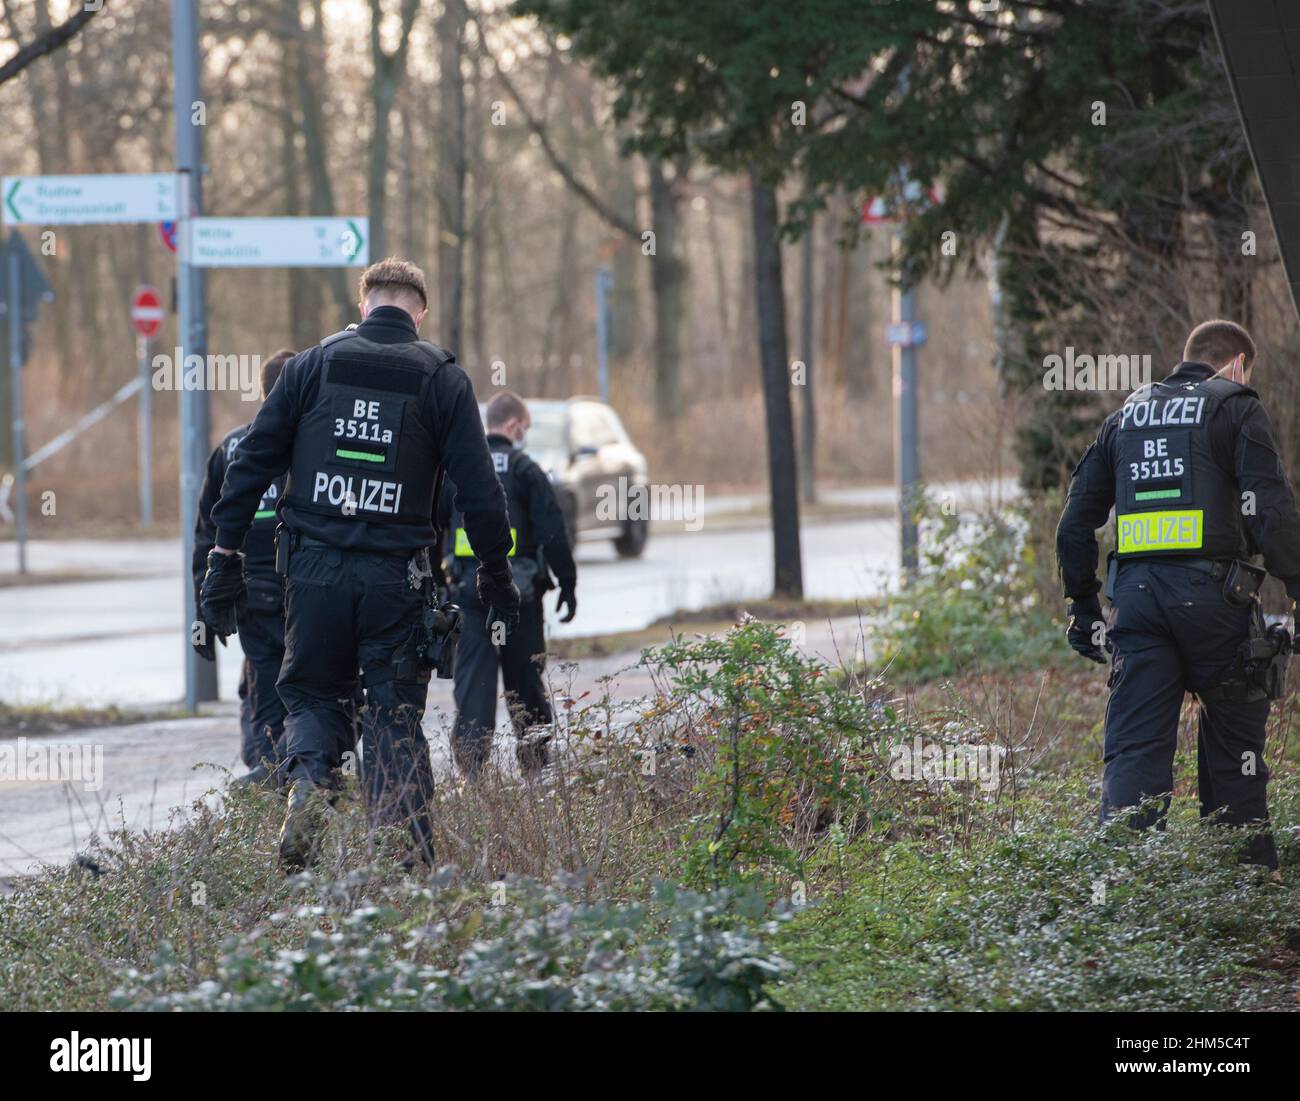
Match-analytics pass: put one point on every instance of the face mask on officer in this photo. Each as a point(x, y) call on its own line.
point(1235, 370)
point(516, 430)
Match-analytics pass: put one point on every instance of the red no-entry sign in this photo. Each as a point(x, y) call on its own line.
point(147, 312)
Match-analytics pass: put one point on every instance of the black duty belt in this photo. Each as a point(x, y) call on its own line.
point(1215, 567)
point(310, 541)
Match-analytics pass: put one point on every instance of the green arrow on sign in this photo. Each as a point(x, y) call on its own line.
point(355, 240)
point(9, 200)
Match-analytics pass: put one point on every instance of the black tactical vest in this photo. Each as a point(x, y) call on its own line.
point(1172, 495)
point(363, 449)
point(510, 463)
point(259, 543)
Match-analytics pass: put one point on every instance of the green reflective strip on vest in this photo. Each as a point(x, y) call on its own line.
point(1144, 532)
point(1157, 494)
point(264, 514)
point(365, 455)
point(464, 550)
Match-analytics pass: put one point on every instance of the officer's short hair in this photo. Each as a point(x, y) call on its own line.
point(503, 407)
point(1218, 342)
point(394, 276)
point(272, 367)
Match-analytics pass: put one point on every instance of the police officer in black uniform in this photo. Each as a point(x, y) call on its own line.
point(364, 423)
point(261, 618)
point(540, 548)
point(1191, 468)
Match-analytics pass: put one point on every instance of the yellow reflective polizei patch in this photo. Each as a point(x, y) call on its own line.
point(1144, 532)
point(464, 550)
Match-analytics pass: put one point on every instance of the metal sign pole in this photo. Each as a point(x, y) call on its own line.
point(19, 425)
point(145, 434)
point(906, 434)
point(200, 676)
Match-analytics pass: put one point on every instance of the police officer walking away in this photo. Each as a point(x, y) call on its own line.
point(1191, 468)
point(261, 618)
point(540, 548)
point(364, 423)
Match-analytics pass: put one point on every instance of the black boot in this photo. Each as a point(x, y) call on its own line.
point(260, 776)
point(533, 752)
point(303, 819)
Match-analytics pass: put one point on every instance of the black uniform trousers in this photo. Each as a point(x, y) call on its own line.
point(1172, 632)
point(261, 711)
point(348, 611)
point(521, 662)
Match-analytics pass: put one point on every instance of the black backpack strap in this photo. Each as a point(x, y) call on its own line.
point(438, 355)
point(1224, 388)
point(342, 334)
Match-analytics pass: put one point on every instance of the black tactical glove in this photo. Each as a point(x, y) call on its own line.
point(202, 639)
point(1087, 630)
point(567, 599)
point(222, 593)
point(500, 595)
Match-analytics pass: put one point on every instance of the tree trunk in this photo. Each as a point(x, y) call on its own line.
point(853, 377)
point(476, 241)
point(304, 303)
point(667, 277)
point(388, 71)
point(309, 60)
point(381, 99)
point(406, 188)
point(554, 344)
point(769, 301)
point(451, 173)
point(625, 337)
point(725, 356)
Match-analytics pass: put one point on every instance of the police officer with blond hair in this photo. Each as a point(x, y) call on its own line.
point(364, 423)
point(1191, 468)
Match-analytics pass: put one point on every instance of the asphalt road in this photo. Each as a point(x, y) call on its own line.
point(119, 641)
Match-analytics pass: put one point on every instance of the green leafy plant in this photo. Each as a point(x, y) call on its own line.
point(788, 749)
point(975, 602)
point(538, 950)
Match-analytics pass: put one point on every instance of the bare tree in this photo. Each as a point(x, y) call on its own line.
point(388, 71)
point(773, 350)
point(309, 68)
point(669, 270)
point(451, 172)
point(668, 281)
point(47, 42)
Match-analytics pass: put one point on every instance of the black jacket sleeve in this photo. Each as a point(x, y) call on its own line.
point(547, 521)
point(1267, 502)
point(463, 446)
point(442, 509)
point(205, 532)
point(262, 456)
point(1087, 508)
